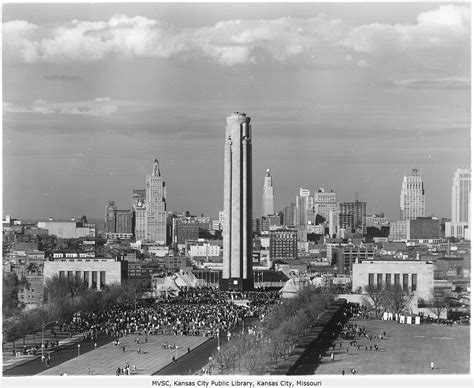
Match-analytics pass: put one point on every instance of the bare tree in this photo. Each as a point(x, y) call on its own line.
point(437, 305)
point(396, 299)
point(375, 296)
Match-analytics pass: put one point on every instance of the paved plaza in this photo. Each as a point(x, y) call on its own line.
point(105, 360)
point(407, 349)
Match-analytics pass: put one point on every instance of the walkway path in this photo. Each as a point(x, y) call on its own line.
point(106, 359)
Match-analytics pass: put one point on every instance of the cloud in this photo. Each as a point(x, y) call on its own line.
point(62, 77)
point(97, 107)
point(444, 27)
point(434, 83)
point(318, 39)
point(228, 42)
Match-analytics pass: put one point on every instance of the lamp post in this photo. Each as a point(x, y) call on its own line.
point(43, 326)
point(218, 341)
point(78, 350)
point(135, 290)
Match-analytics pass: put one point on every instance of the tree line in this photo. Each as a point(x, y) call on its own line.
point(257, 350)
point(63, 298)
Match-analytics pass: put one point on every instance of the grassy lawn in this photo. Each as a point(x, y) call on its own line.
point(407, 349)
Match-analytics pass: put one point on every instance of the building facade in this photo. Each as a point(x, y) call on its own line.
point(457, 230)
point(352, 216)
point(414, 276)
point(304, 207)
point(289, 214)
point(139, 214)
point(324, 202)
point(284, 244)
point(424, 228)
point(237, 232)
point(94, 272)
point(267, 196)
point(68, 229)
point(461, 192)
point(185, 228)
point(117, 221)
point(412, 196)
point(346, 256)
point(399, 230)
point(155, 209)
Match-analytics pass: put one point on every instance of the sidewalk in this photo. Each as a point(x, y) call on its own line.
point(105, 360)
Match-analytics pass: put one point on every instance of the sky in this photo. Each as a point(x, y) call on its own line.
point(342, 96)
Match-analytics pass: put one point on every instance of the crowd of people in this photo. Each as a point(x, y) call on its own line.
point(194, 312)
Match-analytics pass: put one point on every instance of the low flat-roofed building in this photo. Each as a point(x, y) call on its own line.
point(457, 230)
point(68, 229)
point(416, 276)
point(95, 272)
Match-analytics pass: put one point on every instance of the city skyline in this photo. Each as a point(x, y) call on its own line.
point(348, 97)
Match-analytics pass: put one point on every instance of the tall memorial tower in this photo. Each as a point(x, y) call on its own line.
point(237, 271)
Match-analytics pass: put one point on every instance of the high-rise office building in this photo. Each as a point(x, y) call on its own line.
point(237, 233)
point(123, 221)
point(155, 208)
point(304, 207)
point(352, 216)
point(333, 222)
point(324, 202)
point(458, 227)
point(139, 213)
point(412, 196)
point(289, 214)
point(267, 197)
point(110, 217)
point(117, 221)
point(461, 192)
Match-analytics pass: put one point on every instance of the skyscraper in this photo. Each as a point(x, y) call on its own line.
point(117, 221)
point(139, 213)
point(324, 202)
point(237, 233)
point(458, 227)
point(289, 214)
point(304, 207)
point(155, 208)
point(412, 197)
point(461, 192)
point(110, 217)
point(267, 197)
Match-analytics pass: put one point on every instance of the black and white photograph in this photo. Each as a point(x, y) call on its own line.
point(229, 194)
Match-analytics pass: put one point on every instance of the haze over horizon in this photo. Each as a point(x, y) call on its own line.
point(348, 97)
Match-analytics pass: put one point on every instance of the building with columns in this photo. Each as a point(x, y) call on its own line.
point(94, 272)
point(414, 276)
point(237, 232)
point(267, 196)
